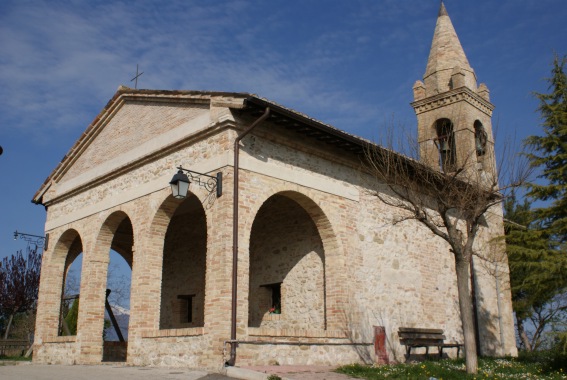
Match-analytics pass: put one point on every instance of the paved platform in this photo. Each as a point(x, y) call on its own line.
point(29, 371)
point(305, 372)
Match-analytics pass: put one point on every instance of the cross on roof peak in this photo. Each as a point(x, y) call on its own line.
point(138, 74)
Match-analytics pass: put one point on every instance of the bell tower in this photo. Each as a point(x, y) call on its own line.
point(454, 115)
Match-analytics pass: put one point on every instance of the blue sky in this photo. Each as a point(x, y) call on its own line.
point(350, 63)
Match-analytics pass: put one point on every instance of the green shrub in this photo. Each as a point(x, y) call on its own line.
point(549, 360)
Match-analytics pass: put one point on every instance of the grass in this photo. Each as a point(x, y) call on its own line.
point(545, 367)
point(17, 358)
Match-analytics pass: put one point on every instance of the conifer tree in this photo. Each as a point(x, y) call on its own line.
point(550, 153)
point(538, 271)
point(72, 316)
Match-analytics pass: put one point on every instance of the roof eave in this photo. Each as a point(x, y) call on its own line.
point(311, 127)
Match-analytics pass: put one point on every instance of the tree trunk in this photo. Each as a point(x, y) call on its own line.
point(522, 334)
point(8, 326)
point(466, 309)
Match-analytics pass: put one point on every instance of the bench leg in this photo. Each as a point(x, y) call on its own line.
point(440, 349)
point(408, 353)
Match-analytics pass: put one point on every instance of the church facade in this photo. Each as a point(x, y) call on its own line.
point(279, 253)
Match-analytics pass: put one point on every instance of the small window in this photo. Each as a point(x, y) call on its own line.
point(276, 295)
point(186, 308)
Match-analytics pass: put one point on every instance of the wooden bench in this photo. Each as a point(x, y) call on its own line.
point(11, 345)
point(416, 337)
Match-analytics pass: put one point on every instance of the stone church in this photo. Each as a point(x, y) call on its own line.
point(251, 234)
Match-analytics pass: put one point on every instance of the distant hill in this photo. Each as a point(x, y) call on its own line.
point(122, 316)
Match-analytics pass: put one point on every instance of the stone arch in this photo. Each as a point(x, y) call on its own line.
point(292, 240)
point(161, 220)
point(182, 228)
point(67, 248)
point(116, 233)
point(445, 142)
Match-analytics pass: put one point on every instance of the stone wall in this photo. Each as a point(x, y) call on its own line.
point(406, 274)
point(62, 350)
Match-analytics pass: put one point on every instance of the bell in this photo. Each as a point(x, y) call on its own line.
point(444, 146)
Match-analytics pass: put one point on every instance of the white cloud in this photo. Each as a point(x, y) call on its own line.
point(64, 61)
point(345, 63)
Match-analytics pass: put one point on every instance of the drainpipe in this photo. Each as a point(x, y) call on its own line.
point(233, 342)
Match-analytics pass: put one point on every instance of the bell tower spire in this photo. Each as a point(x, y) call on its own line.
point(453, 113)
point(445, 55)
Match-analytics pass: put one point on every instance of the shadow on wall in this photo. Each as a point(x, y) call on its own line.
point(361, 335)
point(489, 330)
point(184, 267)
point(287, 268)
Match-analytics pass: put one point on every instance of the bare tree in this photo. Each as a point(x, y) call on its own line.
point(452, 205)
point(550, 314)
point(19, 284)
point(119, 283)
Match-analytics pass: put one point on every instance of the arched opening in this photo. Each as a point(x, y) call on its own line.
point(119, 282)
point(118, 227)
point(287, 268)
point(445, 142)
point(70, 242)
point(184, 265)
point(480, 138)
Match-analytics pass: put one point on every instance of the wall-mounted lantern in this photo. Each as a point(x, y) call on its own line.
point(39, 241)
point(181, 181)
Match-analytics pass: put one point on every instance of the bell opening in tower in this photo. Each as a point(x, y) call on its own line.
point(445, 143)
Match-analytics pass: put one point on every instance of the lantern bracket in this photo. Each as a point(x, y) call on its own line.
point(209, 182)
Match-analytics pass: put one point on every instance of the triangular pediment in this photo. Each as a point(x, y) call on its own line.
point(132, 127)
point(137, 127)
